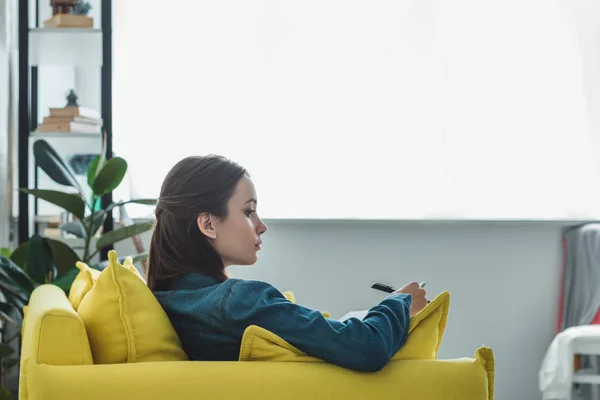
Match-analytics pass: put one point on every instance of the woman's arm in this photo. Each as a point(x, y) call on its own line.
point(366, 345)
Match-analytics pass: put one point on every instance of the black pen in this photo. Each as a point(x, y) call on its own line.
point(388, 289)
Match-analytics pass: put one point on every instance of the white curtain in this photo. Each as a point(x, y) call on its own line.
point(7, 112)
point(395, 109)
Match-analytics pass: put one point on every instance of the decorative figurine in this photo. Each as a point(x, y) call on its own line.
point(62, 6)
point(72, 99)
point(70, 14)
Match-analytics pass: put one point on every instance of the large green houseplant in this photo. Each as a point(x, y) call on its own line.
point(50, 259)
point(42, 260)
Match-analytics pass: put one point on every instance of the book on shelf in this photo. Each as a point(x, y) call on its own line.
point(69, 21)
point(72, 126)
point(72, 119)
point(75, 118)
point(72, 111)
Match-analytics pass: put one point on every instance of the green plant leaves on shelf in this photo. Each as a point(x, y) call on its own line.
point(122, 233)
point(70, 202)
point(39, 259)
point(4, 252)
point(53, 165)
point(110, 176)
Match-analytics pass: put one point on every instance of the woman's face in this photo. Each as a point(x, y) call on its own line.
point(236, 238)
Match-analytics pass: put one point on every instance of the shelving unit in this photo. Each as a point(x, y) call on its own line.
point(64, 47)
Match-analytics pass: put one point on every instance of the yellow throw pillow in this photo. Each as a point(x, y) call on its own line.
point(128, 263)
point(82, 284)
point(124, 321)
point(85, 279)
point(424, 338)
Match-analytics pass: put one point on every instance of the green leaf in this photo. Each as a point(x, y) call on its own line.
point(94, 169)
point(66, 280)
point(19, 256)
point(39, 259)
point(13, 275)
point(4, 252)
point(14, 300)
point(5, 350)
point(8, 319)
point(70, 202)
point(110, 176)
point(63, 255)
point(10, 310)
point(53, 165)
point(122, 233)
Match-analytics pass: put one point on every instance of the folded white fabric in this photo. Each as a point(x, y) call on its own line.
point(556, 373)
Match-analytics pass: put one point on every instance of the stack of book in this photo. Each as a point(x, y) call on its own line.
point(72, 119)
point(49, 225)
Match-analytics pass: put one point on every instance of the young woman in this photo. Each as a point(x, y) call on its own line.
point(206, 221)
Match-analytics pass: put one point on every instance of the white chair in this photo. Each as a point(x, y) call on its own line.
point(589, 346)
point(557, 375)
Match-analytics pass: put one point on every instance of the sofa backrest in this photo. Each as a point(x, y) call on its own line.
point(53, 333)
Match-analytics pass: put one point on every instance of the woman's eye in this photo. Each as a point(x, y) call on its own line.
point(250, 212)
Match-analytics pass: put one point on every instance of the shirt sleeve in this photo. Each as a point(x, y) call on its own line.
point(366, 345)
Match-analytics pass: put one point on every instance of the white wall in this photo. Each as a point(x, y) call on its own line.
point(503, 278)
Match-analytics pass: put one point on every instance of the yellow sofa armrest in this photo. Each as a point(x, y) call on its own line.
point(53, 333)
point(469, 378)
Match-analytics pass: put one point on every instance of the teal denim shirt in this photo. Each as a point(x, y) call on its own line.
point(210, 318)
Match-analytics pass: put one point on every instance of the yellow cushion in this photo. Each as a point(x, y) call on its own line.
point(425, 335)
point(82, 284)
point(125, 322)
point(86, 278)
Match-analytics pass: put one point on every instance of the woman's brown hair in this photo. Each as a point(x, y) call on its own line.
point(193, 186)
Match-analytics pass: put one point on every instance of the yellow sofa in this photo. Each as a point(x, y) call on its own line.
point(57, 362)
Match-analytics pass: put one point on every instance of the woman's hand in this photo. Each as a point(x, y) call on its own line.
point(418, 296)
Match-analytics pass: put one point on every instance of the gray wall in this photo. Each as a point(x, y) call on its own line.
point(503, 279)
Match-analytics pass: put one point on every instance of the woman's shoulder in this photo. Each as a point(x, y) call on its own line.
point(250, 290)
point(249, 285)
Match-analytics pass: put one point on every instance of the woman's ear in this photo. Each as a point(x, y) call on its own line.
point(206, 224)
